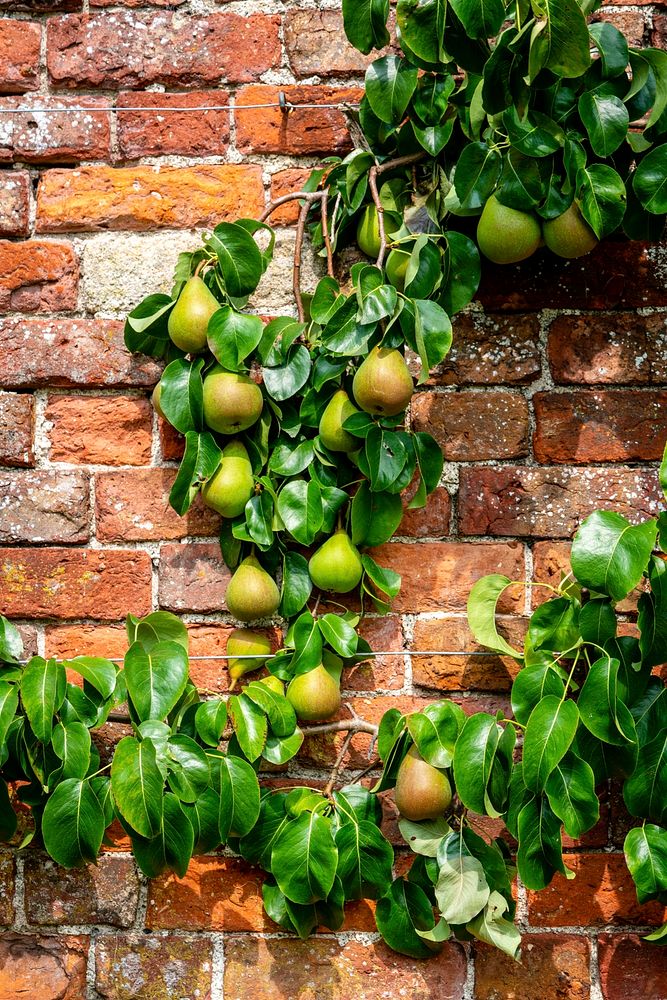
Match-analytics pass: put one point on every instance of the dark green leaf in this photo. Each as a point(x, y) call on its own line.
point(609, 555)
point(202, 458)
point(297, 584)
point(531, 685)
point(43, 686)
point(477, 173)
point(645, 791)
point(548, 736)
point(173, 846)
point(612, 46)
point(390, 83)
point(480, 18)
point(559, 40)
point(239, 797)
point(284, 381)
point(365, 860)
point(601, 709)
point(422, 26)
point(210, 721)
point(304, 858)
point(182, 394)
point(232, 336)
point(597, 621)
point(645, 850)
point(156, 680)
point(539, 855)
point(606, 120)
point(189, 773)
point(571, 791)
point(602, 197)
point(402, 912)
point(249, 723)
point(301, 511)
point(137, 785)
point(650, 181)
point(239, 258)
point(73, 824)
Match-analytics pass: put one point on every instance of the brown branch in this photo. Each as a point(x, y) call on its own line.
point(346, 726)
point(328, 788)
point(298, 251)
point(325, 233)
point(374, 764)
point(308, 196)
point(373, 174)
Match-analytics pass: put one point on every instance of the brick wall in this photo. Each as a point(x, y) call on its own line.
point(551, 404)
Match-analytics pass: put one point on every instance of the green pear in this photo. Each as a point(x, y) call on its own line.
point(368, 229)
point(244, 642)
point(396, 267)
point(315, 695)
point(188, 320)
point(231, 486)
point(332, 434)
point(336, 565)
point(383, 384)
point(232, 402)
point(155, 400)
point(251, 593)
point(569, 235)
point(505, 235)
point(422, 791)
point(273, 683)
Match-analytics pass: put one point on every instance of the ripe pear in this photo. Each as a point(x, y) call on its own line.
point(505, 235)
point(251, 593)
point(336, 565)
point(244, 642)
point(188, 320)
point(332, 434)
point(383, 384)
point(368, 229)
point(231, 486)
point(232, 402)
point(422, 791)
point(569, 235)
point(155, 400)
point(273, 683)
point(396, 266)
point(314, 696)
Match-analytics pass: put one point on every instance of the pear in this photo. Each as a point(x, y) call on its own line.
point(188, 320)
point(336, 565)
point(422, 791)
point(396, 267)
point(273, 683)
point(231, 486)
point(232, 402)
point(244, 642)
point(314, 696)
point(569, 235)
point(332, 434)
point(505, 235)
point(155, 400)
point(368, 229)
point(251, 593)
point(382, 384)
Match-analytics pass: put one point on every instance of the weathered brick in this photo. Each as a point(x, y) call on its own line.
point(631, 969)
point(218, 894)
point(136, 967)
point(634, 24)
point(19, 56)
point(67, 641)
point(172, 443)
point(311, 131)
point(473, 426)
point(99, 430)
point(604, 426)
point(551, 966)
point(136, 3)
point(380, 672)
point(135, 506)
point(14, 202)
point(7, 876)
point(40, 6)
point(105, 893)
point(287, 182)
point(75, 583)
point(459, 673)
point(154, 133)
point(431, 521)
point(288, 969)
point(36, 276)
point(51, 968)
point(659, 33)
point(135, 50)
point(192, 577)
point(97, 198)
point(549, 503)
point(16, 425)
point(44, 506)
point(491, 349)
point(602, 894)
point(51, 137)
point(70, 352)
point(612, 349)
point(309, 34)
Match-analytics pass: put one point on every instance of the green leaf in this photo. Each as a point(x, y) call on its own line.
point(571, 791)
point(435, 731)
point(182, 394)
point(156, 680)
point(602, 198)
point(304, 858)
point(9, 700)
point(657, 59)
point(531, 685)
point(210, 721)
point(277, 708)
point(424, 837)
point(400, 914)
point(306, 638)
point(650, 181)
point(535, 135)
point(386, 457)
point(375, 516)
point(559, 40)
point(339, 634)
point(461, 890)
point(612, 46)
point(482, 764)
point(422, 27)
point(137, 785)
point(297, 585)
point(365, 860)
point(606, 120)
point(386, 580)
point(280, 749)
point(232, 336)
point(482, 606)
point(239, 258)
point(73, 824)
point(477, 173)
point(72, 744)
point(159, 626)
point(539, 855)
point(202, 458)
point(554, 625)
point(173, 846)
point(189, 773)
point(609, 555)
point(652, 620)
point(645, 791)
point(239, 797)
point(602, 711)
point(284, 381)
point(463, 273)
point(645, 850)
point(481, 18)
point(548, 736)
point(100, 673)
point(597, 621)
point(11, 643)
point(43, 686)
point(663, 473)
point(390, 83)
point(249, 723)
point(492, 927)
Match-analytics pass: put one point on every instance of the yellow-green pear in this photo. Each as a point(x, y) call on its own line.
point(396, 267)
point(273, 683)
point(155, 400)
point(336, 565)
point(505, 235)
point(422, 791)
point(244, 642)
point(569, 235)
point(232, 402)
point(368, 229)
point(383, 384)
point(188, 320)
point(314, 696)
point(251, 593)
point(332, 434)
point(231, 486)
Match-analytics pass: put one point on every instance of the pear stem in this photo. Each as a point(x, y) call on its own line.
point(373, 174)
point(199, 267)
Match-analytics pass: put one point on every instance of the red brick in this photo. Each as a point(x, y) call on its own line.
point(193, 133)
point(311, 131)
point(217, 894)
point(137, 967)
point(605, 426)
point(193, 577)
point(40, 6)
point(135, 50)
point(105, 893)
point(70, 352)
point(14, 202)
point(16, 421)
point(52, 137)
point(99, 430)
point(287, 182)
point(19, 56)
point(550, 503)
point(137, 198)
point(75, 583)
point(289, 969)
point(459, 673)
point(612, 349)
point(136, 3)
point(602, 894)
point(553, 966)
point(491, 350)
point(7, 876)
point(631, 969)
point(659, 33)
point(134, 506)
point(36, 276)
point(474, 426)
point(380, 672)
point(309, 34)
point(431, 521)
point(67, 641)
point(617, 275)
point(51, 968)
point(44, 506)
point(172, 443)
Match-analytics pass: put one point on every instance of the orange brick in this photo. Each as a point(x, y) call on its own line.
point(19, 56)
point(134, 506)
point(36, 276)
point(100, 430)
point(270, 130)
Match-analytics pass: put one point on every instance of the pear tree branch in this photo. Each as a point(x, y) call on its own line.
point(373, 174)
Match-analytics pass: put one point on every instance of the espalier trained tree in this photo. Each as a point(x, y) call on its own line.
point(295, 434)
